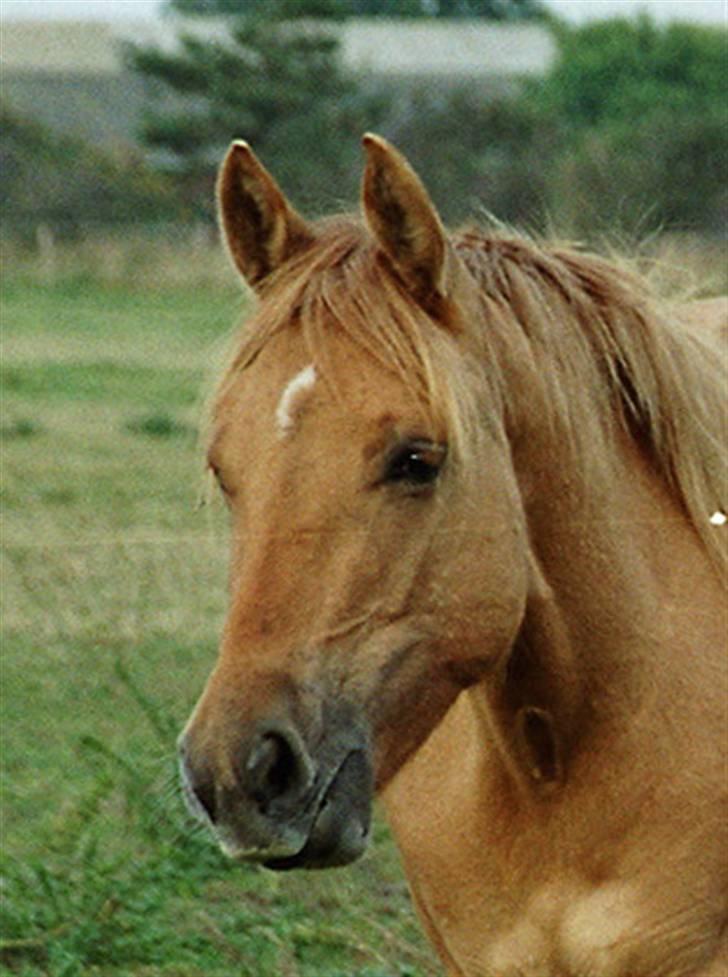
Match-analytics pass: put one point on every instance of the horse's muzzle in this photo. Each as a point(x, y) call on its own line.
point(281, 805)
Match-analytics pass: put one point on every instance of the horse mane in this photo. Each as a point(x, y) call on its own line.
point(610, 354)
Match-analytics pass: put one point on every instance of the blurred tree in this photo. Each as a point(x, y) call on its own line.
point(283, 89)
point(629, 128)
point(616, 70)
point(479, 154)
point(627, 132)
point(489, 9)
point(643, 125)
point(276, 9)
point(66, 184)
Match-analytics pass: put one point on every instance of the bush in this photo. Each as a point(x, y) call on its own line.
point(475, 153)
point(666, 173)
point(627, 133)
point(54, 180)
point(643, 126)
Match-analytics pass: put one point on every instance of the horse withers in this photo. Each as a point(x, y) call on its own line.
point(478, 566)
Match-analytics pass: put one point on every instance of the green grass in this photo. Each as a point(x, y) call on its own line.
point(113, 594)
point(101, 382)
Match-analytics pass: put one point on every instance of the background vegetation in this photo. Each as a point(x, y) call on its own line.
point(627, 131)
point(564, 149)
point(340, 9)
point(115, 304)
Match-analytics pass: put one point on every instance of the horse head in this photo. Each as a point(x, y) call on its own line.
point(379, 563)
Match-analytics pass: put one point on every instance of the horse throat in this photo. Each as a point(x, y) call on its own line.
point(533, 707)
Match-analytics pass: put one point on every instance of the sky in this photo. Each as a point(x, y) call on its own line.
point(701, 11)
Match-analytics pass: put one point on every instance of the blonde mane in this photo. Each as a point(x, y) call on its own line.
point(608, 352)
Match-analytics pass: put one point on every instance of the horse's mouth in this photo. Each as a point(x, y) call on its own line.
point(340, 829)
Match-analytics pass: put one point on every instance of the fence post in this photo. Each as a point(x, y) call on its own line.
point(47, 253)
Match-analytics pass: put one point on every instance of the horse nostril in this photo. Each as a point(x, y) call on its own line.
point(277, 766)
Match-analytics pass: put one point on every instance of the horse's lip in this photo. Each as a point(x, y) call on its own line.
point(339, 830)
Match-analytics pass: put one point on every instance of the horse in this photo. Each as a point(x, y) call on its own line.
point(476, 485)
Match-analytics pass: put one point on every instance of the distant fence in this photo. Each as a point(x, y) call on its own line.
point(144, 255)
point(176, 255)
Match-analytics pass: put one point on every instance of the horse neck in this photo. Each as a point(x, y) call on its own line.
point(567, 767)
point(610, 628)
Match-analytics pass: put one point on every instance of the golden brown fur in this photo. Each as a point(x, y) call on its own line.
point(522, 647)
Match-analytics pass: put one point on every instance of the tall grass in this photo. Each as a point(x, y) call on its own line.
point(169, 257)
point(145, 258)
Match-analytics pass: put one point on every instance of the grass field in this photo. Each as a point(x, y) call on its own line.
point(112, 596)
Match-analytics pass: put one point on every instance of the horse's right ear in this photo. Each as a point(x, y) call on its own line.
point(261, 228)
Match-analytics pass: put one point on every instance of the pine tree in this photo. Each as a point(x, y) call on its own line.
point(450, 9)
point(274, 76)
point(487, 9)
point(265, 78)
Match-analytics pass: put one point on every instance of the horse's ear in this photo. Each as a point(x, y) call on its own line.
point(261, 228)
point(404, 220)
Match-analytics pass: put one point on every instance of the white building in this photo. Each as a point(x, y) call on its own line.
point(72, 76)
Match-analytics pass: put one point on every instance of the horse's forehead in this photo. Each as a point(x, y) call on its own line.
point(289, 372)
point(297, 397)
point(296, 392)
point(259, 387)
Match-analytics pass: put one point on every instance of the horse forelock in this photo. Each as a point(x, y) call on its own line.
point(341, 288)
point(609, 353)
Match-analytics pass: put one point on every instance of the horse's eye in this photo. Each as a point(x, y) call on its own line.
point(416, 464)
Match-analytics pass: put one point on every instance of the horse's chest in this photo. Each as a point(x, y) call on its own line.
point(562, 931)
point(584, 889)
point(568, 929)
point(566, 933)
point(522, 907)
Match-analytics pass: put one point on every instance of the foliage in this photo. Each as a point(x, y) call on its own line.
point(283, 88)
point(613, 72)
point(488, 9)
point(567, 148)
point(669, 172)
point(273, 9)
point(61, 181)
point(643, 124)
point(628, 130)
point(474, 154)
point(450, 9)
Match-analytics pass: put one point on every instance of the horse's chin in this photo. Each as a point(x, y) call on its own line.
point(341, 828)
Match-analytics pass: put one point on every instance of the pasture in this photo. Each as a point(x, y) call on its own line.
point(113, 592)
point(112, 597)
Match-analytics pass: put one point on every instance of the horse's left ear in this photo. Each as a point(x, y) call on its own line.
point(404, 220)
point(261, 228)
